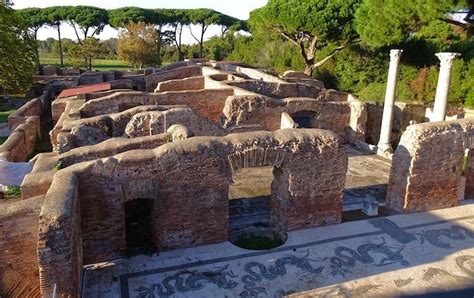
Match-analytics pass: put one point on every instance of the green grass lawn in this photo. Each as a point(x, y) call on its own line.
point(4, 115)
point(97, 64)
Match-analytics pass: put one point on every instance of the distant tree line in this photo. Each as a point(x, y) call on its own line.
point(345, 43)
point(89, 21)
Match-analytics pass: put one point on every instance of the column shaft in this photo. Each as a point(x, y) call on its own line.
point(442, 90)
point(384, 144)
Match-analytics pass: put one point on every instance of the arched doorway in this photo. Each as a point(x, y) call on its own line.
point(251, 225)
point(139, 227)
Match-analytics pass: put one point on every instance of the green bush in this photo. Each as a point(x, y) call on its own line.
point(14, 191)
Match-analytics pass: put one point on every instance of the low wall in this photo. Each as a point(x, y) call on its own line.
point(31, 108)
point(194, 83)
point(208, 102)
point(111, 147)
point(152, 80)
point(152, 123)
point(427, 165)
point(82, 220)
point(21, 142)
point(19, 276)
point(59, 243)
point(278, 90)
point(252, 73)
point(265, 112)
point(24, 124)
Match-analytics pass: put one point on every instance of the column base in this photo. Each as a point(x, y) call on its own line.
point(384, 150)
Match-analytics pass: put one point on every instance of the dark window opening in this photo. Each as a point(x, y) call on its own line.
point(138, 227)
point(304, 118)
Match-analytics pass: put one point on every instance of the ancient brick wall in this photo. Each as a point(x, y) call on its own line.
point(21, 142)
point(266, 112)
point(59, 242)
point(426, 167)
point(152, 123)
point(19, 274)
point(190, 211)
point(153, 79)
point(111, 147)
point(114, 103)
point(31, 108)
point(25, 126)
point(207, 102)
point(194, 83)
point(82, 220)
point(278, 90)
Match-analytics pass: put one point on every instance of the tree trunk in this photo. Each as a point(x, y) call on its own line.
point(158, 45)
point(37, 52)
point(179, 43)
point(308, 70)
point(61, 56)
point(201, 42)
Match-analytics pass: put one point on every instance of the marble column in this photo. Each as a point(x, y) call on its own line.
point(384, 145)
point(442, 91)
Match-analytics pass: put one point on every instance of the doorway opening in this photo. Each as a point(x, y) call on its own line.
point(250, 221)
point(138, 227)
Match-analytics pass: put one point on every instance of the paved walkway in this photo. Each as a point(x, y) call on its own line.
point(401, 254)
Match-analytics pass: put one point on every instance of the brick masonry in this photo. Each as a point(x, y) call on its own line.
point(427, 165)
point(18, 259)
point(186, 211)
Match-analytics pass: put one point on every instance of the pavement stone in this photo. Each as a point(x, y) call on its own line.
point(386, 256)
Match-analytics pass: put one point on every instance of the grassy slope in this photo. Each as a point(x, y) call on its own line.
point(4, 115)
point(98, 64)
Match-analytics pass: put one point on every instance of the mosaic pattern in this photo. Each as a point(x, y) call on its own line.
point(316, 265)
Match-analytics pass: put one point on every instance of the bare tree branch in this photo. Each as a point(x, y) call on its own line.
point(333, 52)
point(286, 35)
point(191, 31)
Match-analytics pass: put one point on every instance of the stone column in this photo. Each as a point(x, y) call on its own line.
point(384, 144)
point(442, 91)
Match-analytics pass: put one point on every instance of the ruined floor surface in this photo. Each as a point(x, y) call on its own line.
point(396, 255)
point(367, 176)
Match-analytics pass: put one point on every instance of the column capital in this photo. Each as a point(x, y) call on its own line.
point(395, 54)
point(447, 58)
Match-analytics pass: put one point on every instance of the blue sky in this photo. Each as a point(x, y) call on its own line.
point(236, 8)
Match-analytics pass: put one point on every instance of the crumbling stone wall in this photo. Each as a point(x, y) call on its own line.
point(208, 102)
point(265, 112)
point(21, 142)
point(110, 147)
point(152, 123)
point(24, 124)
point(18, 259)
point(31, 108)
point(59, 243)
point(426, 166)
point(193, 83)
point(278, 90)
point(153, 79)
point(82, 219)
